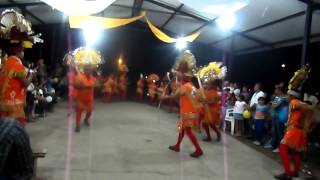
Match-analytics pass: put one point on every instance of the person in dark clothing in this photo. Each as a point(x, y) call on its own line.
point(16, 162)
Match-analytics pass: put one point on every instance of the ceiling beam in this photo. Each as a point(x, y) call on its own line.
point(275, 44)
point(136, 7)
point(173, 9)
point(22, 4)
point(23, 8)
point(171, 16)
point(204, 25)
point(262, 42)
point(264, 25)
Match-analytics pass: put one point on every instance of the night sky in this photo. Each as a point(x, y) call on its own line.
point(144, 53)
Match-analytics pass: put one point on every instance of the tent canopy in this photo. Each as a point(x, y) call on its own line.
point(261, 25)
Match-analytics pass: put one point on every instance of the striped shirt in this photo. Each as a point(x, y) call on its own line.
point(16, 161)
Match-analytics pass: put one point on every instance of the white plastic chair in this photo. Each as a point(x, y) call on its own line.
point(229, 118)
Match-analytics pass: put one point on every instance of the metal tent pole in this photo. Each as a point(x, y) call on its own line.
point(307, 31)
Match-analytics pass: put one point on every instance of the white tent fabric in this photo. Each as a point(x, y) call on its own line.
point(261, 25)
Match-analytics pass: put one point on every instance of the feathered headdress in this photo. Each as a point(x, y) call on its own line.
point(84, 56)
point(14, 27)
point(81, 57)
point(299, 77)
point(212, 71)
point(185, 64)
point(296, 82)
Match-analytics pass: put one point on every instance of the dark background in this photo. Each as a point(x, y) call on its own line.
point(144, 53)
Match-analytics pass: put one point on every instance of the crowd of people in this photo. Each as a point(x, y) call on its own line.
point(266, 126)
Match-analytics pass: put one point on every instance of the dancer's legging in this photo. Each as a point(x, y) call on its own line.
point(191, 136)
point(284, 154)
point(213, 127)
point(78, 116)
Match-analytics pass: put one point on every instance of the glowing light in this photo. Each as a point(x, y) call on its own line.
point(120, 61)
point(226, 21)
point(181, 43)
point(79, 7)
point(283, 65)
point(92, 31)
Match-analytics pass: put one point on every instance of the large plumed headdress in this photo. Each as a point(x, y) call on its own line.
point(185, 64)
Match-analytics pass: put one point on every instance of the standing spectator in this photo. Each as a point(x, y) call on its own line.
point(259, 120)
point(238, 110)
point(16, 161)
point(41, 69)
point(258, 93)
point(308, 97)
point(246, 94)
point(279, 111)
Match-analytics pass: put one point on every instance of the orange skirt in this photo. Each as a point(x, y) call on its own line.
point(295, 138)
point(189, 123)
point(85, 104)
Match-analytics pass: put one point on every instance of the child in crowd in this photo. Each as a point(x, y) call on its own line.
point(238, 110)
point(260, 117)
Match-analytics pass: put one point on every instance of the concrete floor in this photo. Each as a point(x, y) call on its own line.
point(129, 141)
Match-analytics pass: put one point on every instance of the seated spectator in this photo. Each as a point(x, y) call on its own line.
point(260, 117)
point(16, 162)
point(238, 110)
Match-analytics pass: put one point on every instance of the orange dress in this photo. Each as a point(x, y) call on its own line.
point(123, 84)
point(85, 95)
point(108, 86)
point(188, 108)
point(140, 85)
point(212, 109)
point(152, 89)
point(12, 91)
point(297, 128)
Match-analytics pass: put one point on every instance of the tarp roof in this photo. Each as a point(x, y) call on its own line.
point(261, 25)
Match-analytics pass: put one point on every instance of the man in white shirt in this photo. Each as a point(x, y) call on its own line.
point(257, 94)
point(253, 102)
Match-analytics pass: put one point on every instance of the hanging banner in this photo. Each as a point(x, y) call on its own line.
point(165, 38)
point(104, 23)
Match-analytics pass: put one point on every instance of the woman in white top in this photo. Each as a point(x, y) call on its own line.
point(238, 110)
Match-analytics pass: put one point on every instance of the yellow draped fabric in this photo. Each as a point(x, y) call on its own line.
point(159, 34)
point(165, 38)
point(106, 23)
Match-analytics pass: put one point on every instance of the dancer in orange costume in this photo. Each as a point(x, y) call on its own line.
point(107, 88)
point(188, 107)
point(152, 87)
point(122, 85)
point(84, 84)
point(161, 90)
point(13, 80)
point(301, 115)
point(295, 139)
point(210, 109)
point(140, 86)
